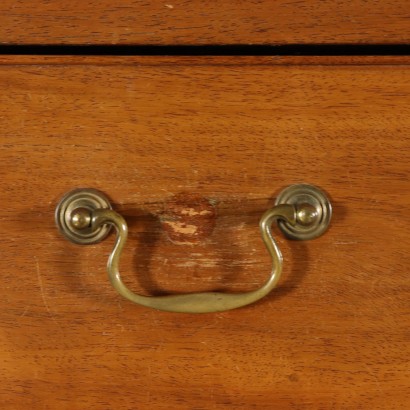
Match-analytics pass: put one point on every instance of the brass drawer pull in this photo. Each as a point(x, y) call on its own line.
point(303, 212)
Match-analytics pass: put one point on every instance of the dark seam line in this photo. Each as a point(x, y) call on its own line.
point(210, 50)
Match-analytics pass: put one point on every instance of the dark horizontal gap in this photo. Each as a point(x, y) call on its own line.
point(211, 50)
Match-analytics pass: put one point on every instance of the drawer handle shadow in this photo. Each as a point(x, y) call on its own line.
point(302, 211)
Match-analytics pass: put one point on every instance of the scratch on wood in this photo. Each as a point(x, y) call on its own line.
point(372, 375)
point(149, 384)
point(25, 311)
point(40, 281)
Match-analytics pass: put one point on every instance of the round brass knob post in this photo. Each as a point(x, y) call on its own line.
point(80, 218)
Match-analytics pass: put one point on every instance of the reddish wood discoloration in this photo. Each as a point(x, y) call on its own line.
point(188, 218)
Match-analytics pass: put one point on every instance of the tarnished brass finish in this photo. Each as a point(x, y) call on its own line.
point(313, 211)
point(298, 215)
point(196, 302)
point(73, 216)
point(80, 218)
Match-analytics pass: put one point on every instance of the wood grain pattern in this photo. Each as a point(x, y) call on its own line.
point(334, 335)
point(204, 22)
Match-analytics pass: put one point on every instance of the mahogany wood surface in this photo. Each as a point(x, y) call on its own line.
point(204, 22)
point(333, 335)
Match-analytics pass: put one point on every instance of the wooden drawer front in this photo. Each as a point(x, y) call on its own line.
point(204, 22)
point(335, 332)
